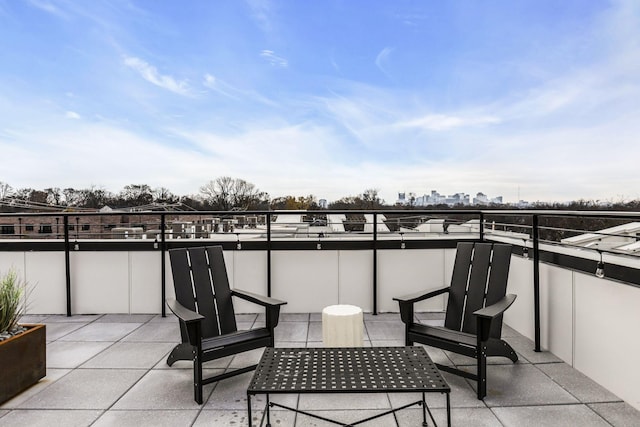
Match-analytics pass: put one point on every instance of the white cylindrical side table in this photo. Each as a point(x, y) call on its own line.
point(342, 326)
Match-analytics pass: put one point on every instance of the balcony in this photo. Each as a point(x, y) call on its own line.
point(106, 360)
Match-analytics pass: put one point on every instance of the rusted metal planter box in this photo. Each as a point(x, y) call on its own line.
point(23, 361)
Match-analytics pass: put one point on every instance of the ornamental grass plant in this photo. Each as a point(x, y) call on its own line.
point(12, 301)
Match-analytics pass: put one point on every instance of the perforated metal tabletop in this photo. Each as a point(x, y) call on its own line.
point(363, 369)
point(347, 370)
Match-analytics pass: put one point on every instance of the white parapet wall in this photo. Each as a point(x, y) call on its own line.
point(586, 321)
point(130, 281)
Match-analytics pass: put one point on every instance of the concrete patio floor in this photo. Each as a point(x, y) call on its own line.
point(110, 370)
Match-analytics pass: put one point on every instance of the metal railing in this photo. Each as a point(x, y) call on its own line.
point(610, 233)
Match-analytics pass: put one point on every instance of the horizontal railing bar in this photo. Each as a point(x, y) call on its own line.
point(599, 233)
point(560, 213)
point(245, 213)
point(413, 213)
point(135, 245)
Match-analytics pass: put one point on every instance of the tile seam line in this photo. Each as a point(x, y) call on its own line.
point(132, 385)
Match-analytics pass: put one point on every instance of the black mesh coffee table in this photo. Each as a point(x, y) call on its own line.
point(347, 370)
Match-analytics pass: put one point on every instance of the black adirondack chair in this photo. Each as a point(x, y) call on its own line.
point(204, 307)
point(473, 321)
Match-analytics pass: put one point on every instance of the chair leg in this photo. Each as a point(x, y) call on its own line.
point(482, 370)
point(407, 341)
point(183, 351)
point(501, 348)
point(197, 375)
point(509, 352)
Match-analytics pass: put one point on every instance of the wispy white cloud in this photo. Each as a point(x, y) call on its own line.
point(151, 74)
point(334, 64)
point(222, 87)
point(359, 112)
point(106, 16)
point(411, 19)
point(72, 115)
point(261, 11)
point(382, 59)
point(49, 7)
point(274, 59)
point(219, 86)
point(443, 122)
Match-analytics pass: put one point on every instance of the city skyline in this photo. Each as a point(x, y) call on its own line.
point(54, 196)
point(533, 100)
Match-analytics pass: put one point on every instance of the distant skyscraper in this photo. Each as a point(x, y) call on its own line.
point(435, 198)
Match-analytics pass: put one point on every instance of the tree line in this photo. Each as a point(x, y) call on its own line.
point(220, 194)
point(227, 193)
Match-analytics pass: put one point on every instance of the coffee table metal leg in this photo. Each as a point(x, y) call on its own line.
point(268, 412)
point(424, 411)
point(249, 408)
point(448, 411)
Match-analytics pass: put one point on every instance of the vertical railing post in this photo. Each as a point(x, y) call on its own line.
point(536, 282)
point(67, 263)
point(482, 226)
point(375, 263)
point(163, 249)
point(268, 254)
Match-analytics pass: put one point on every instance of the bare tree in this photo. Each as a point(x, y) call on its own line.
point(38, 196)
point(94, 197)
point(245, 195)
point(5, 190)
point(136, 194)
point(369, 199)
point(72, 197)
point(23, 193)
point(163, 195)
point(225, 193)
point(53, 195)
point(216, 193)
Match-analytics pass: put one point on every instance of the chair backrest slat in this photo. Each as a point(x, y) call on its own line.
point(498, 282)
point(204, 291)
point(182, 283)
point(480, 275)
point(459, 281)
point(226, 314)
point(480, 266)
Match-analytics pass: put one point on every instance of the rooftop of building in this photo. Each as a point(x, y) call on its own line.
point(108, 370)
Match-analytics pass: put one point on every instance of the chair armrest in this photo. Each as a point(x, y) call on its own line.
point(419, 296)
point(183, 312)
point(192, 322)
point(406, 303)
point(257, 299)
point(271, 306)
point(485, 316)
point(494, 310)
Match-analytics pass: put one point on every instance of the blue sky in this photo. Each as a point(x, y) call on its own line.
point(536, 98)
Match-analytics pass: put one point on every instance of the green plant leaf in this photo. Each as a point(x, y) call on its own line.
point(12, 301)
